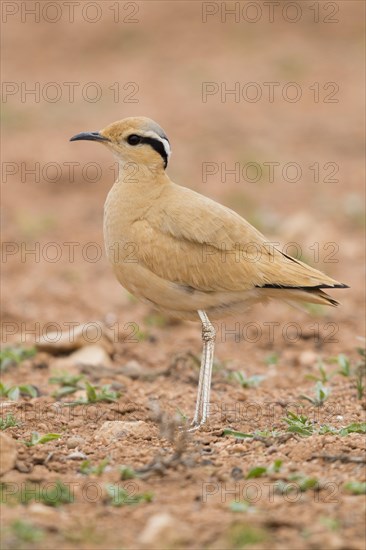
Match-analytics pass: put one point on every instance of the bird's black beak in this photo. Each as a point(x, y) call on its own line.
point(90, 136)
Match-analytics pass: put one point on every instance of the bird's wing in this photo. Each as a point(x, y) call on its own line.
point(189, 239)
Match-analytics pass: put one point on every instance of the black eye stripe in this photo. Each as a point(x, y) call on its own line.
point(156, 144)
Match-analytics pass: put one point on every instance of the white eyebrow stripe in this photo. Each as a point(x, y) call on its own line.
point(167, 148)
point(164, 141)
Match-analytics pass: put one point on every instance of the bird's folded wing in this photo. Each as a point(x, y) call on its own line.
point(189, 239)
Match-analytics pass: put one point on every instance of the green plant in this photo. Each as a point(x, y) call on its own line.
point(14, 392)
point(356, 487)
point(245, 535)
point(323, 375)
point(247, 381)
point(118, 496)
point(238, 435)
point(86, 468)
point(257, 471)
point(276, 466)
point(37, 439)
point(13, 355)
point(355, 427)
point(69, 384)
point(127, 473)
point(59, 494)
point(304, 483)
point(296, 482)
point(93, 395)
point(360, 384)
point(331, 523)
point(182, 415)
point(241, 506)
point(26, 532)
point(299, 424)
point(272, 359)
point(344, 364)
point(8, 422)
point(362, 353)
point(52, 493)
point(321, 394)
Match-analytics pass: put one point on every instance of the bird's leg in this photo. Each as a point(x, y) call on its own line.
point(198, 411)
point(210, 345)
point(204, 385)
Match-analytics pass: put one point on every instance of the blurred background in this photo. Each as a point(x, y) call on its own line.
point(273, 94)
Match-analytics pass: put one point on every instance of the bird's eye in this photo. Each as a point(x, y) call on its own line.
point(133, 139)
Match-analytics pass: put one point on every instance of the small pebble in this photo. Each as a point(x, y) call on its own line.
point(237, 473)
point(74, 441)
point(77, 455)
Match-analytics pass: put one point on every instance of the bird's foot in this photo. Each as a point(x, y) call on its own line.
point(194, 426)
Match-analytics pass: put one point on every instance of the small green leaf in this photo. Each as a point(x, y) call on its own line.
point(65, 390)
point(57, 495)
point(118, 496)
point(14, 355)
point(90, 392)
point(127, 473)
point(241, 506)
point(28, 389)
point(238, 435)
point(277, 465)
point(272, 359)
point(36, 438)
point(8, 422)
point(86, 468)
point(356, 487)
point(257, 471)
point(299, 424)
point(13, 393)
point(356, 427)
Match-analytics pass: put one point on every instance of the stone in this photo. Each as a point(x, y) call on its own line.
point(74, 441)
point(164, 531)
point(118, 429)
point(8, 453)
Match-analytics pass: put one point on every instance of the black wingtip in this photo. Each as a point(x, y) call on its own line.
point(310, 287)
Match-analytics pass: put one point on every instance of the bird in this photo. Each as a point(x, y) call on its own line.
point(185, 254)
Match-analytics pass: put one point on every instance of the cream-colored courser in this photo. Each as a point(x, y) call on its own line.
point(184, 253)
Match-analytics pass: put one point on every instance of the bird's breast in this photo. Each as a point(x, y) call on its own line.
point(119, 216)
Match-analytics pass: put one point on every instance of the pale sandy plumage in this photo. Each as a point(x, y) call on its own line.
point(183, 252)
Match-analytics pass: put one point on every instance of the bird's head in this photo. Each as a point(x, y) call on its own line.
point(133, 139)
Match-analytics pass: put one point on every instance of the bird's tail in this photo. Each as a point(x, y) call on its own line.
point(296, 295)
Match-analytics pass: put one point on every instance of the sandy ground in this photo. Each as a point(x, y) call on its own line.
point(298, 177)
